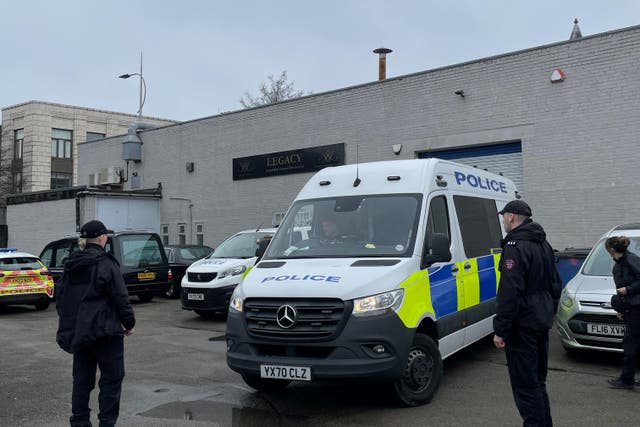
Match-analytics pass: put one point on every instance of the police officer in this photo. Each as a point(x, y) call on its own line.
point(527, 298)
point(94, 315)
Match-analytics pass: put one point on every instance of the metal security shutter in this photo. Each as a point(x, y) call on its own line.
point(505, 159)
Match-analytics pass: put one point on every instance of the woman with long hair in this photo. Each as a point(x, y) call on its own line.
point(626, 275)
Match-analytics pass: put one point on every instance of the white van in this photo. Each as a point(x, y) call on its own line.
point(208, 284)
point(409, 278)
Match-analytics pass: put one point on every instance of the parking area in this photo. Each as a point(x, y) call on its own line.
point(176, 375)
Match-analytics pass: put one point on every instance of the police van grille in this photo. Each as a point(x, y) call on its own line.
point(201, 277)
point(316, 319)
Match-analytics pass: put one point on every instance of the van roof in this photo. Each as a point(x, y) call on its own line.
point(405, 176)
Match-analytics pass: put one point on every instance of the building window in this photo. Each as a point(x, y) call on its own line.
point(182, 236)
point(61, 144)
point(165, 234)
point(18, 143)
point(94, 136)
point(17, 183)
point(61, 179)
point(200, 234)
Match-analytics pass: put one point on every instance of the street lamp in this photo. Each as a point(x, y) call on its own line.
point(142, 84)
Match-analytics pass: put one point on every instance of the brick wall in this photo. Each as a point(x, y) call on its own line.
point(579, 137)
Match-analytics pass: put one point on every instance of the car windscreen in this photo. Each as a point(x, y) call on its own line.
point(351, 226)
point(193, 253)
point(141, 250)
point(20, 263)
point(600, 263)
point(242, 245)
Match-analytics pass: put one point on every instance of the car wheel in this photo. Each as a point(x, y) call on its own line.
point(42, 305)
point(145, 297)
point(264, 384)
point(173, 291)
point(422, 373)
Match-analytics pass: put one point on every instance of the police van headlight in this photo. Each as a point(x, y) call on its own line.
point(237, 300)
point(239, 269)
point(378, 304)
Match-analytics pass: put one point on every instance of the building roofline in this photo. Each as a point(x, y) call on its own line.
point(33, 101)
point(418, 73)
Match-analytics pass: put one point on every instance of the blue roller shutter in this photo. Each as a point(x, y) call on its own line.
point(505, 159)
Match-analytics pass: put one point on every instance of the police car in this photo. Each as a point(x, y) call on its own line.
point(396, 272)
point(24, 280)
point(585, 319)
point(208, 284)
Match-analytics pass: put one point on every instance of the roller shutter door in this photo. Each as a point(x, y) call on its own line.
point(505, 159)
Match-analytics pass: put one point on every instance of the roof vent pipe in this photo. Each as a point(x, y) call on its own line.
point(382, 61)
point(132, 146)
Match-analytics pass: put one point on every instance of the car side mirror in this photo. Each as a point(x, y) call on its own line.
point(437, 250)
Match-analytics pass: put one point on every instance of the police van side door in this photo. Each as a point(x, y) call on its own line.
point(480, 232)
point(443, 272)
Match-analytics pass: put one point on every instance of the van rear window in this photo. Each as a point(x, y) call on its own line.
point(140, 250)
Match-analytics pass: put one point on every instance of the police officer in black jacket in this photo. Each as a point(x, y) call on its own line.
point(94, 316)
point(527, 299)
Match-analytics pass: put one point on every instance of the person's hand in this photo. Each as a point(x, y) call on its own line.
point(620, 316)
point(128, 332)
point(498, 341)
point(622, 291)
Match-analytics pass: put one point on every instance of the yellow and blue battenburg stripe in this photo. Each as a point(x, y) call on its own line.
point(438, 292)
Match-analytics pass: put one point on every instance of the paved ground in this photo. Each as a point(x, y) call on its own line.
point(177, 376)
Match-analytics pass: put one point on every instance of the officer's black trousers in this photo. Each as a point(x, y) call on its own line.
point(527, 354)
point(631, 344)
point(108, 355)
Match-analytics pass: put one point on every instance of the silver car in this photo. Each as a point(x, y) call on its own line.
point(585, 319)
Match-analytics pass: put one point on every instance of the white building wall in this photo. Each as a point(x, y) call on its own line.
point(33, 225)
point(579, 137)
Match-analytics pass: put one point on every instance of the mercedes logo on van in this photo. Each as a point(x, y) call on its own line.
point(286, 316)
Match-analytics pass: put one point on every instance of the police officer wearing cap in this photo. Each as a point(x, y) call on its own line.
point(94, 316)
point(527, 299)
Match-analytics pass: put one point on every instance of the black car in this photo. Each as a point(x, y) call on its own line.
point(143, 263)
point(181, 257)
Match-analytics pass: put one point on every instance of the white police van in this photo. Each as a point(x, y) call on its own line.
point(207, 285)
point(409, 278)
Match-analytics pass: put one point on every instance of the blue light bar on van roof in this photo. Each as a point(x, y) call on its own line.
point(8, 249)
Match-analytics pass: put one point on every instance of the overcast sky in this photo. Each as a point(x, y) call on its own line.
point(200, 57)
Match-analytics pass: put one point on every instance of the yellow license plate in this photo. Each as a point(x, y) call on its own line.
point(146, 276)
point(22, 280)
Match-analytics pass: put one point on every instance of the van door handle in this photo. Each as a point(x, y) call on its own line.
point(454, 270)
point(467, 266)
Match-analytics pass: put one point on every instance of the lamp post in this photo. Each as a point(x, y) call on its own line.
point(190, 215)
point(142, 84)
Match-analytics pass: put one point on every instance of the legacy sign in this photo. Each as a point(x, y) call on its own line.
point(287, 162)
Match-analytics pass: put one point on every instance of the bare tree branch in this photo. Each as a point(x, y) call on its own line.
point(272, 91)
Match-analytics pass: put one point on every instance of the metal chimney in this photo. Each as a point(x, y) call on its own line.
point(382, 61)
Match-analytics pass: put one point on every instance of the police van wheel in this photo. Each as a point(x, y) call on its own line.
point(42, 305)
point(422, 373)
point(264, 384)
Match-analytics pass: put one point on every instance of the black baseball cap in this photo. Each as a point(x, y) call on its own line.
point(92, 229)
point(517, 207)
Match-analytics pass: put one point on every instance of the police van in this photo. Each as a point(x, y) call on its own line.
point(398, 271)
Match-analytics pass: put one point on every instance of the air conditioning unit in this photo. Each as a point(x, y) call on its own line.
point(110, 175)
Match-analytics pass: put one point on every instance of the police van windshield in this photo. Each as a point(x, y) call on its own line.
point(600, 263)
point(349, 227)
point(239, 246)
